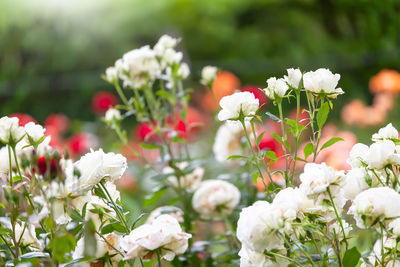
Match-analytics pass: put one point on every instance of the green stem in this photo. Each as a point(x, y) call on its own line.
point(318, 137)
point(120, 216)
point(283, 143)
point(121, 94)
point(337, 216)
point(158, 257)
point(256, 162)
point(297, 135)
point(229, 227)
point(8, 246)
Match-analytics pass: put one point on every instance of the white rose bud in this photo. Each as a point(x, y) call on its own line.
point(293, 78)
point(10, 131)
point(34, 132)
point(276, 88)
point(208, 75)
point(112, 114)
point(111, 74)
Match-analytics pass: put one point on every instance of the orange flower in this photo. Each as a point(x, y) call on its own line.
point(385, 81)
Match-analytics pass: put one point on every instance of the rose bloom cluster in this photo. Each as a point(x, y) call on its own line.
point(371, 187)
point(75, 192)
point(319, 199)
point(141, 67)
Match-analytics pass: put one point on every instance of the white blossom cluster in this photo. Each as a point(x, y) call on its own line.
point(73, 189)
point(371, 189)
point(140, 67)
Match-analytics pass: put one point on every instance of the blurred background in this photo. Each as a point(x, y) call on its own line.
point(52, 52)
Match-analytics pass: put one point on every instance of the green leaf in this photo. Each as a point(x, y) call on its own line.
point(236, 157)
point(99, 192)
point(331, 142)
point(259, 138)
point(322, 115)
point(76, 216)
point(351, 257)
point(150, 146)
point(90, 239)
point(153, 198)
point(277, 137)
point(61, 244)
point(270, 155)
point(255, 177)
point(308, 150)
point(115, 226)
point(273, 117)
point(16, 178)
point(31, 255)
point(138, 219)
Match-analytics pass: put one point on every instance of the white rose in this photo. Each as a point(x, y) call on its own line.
point(355, 183)
point(250, 258)
point(165, 42)
point(183, 71)
point(382, 154)
point(276, 88)
point(96, 165)
point(163, 233)
point(139, 67)
point(388, 132)
point(292, 201)
point(102, 247)
point(27, 235)
point(258, 226)
point(357, 155)
point(10, 131)
point(208, 75)
point(317, 177)
point(4, 163)
point(215, 196)
point(175, 212)
point(191, 181)
point(395, 227)
point(112, 114)
point(375, 202)
point(35, 132)
point(241, 103)
point(170, 57)
point(111, 74)
point(293, 78)
point(228, 141)
point(322, 81)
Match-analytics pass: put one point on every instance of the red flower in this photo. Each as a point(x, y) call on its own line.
point(257, 92)
point(42, 165)
point(80, 143)
point(102, 101)
point(144, 131)
point(59, 123)
point(23, 118)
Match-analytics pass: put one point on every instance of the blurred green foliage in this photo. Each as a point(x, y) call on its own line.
point(53, 52)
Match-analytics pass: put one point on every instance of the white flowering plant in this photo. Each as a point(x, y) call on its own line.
point(57, 212)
